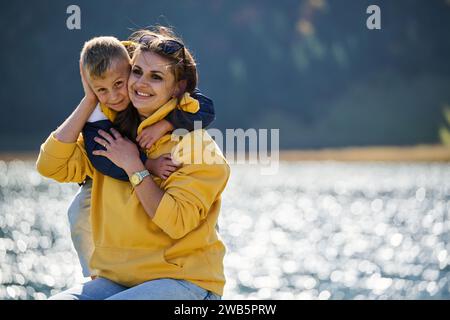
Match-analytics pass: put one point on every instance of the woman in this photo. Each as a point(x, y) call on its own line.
point(153, 239)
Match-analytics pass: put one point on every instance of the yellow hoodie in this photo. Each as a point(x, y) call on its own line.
point(181, 241)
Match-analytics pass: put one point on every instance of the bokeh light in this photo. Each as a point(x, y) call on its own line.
point(316, 230)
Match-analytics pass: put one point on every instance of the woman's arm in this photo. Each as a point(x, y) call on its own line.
point(125, 154)
point(187, 195)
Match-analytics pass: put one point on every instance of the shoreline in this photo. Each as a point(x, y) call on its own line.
point(419, 153)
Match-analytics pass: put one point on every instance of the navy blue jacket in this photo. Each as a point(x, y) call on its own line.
point(185, 120)
point(178, 118)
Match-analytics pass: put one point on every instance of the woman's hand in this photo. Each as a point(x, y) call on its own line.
point(120, 150)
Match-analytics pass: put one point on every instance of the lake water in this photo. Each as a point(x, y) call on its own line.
point(316, 230)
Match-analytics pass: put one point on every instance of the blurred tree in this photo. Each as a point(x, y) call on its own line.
point(308, 67)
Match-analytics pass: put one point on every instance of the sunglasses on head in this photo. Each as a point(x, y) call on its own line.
point(166, 46)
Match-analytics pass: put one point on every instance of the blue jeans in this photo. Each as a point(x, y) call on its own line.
point(159, 289)
point(79, 213)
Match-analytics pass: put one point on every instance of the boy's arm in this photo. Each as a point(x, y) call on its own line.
point(62, 156)
point(63, 162)
point(178, 119)
point(185, 120)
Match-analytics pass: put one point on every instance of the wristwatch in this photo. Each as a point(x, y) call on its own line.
point(137, 177)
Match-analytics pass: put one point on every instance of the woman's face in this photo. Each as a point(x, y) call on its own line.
point(151, 83)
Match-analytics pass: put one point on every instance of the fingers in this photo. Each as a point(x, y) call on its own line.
point(145, 141)
point(101, 142)
point(168, 169)
point(165, 174)
point(171, 168)
point(173, 162)
point(149, 144)
point(165, 166)
point(99, 153)
point(105, 135)
point(116, 134)
point(141, 137)
point(169, 163)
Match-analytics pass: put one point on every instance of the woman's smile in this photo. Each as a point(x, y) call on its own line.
point(151, 83)
point(142, 95)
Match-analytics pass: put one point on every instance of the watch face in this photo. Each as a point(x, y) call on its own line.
point(135, 179)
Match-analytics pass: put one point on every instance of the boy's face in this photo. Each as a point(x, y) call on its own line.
point(111, 89)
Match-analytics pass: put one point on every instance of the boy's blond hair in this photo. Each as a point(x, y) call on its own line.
point(98, 54)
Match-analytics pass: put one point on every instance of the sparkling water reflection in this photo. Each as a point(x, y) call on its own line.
point(314, 231)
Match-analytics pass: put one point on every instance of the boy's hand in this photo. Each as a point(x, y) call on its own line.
point(162, 166)
point(153, 133)
point(88, 92)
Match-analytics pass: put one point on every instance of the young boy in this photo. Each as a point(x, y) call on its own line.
point(105, 64)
